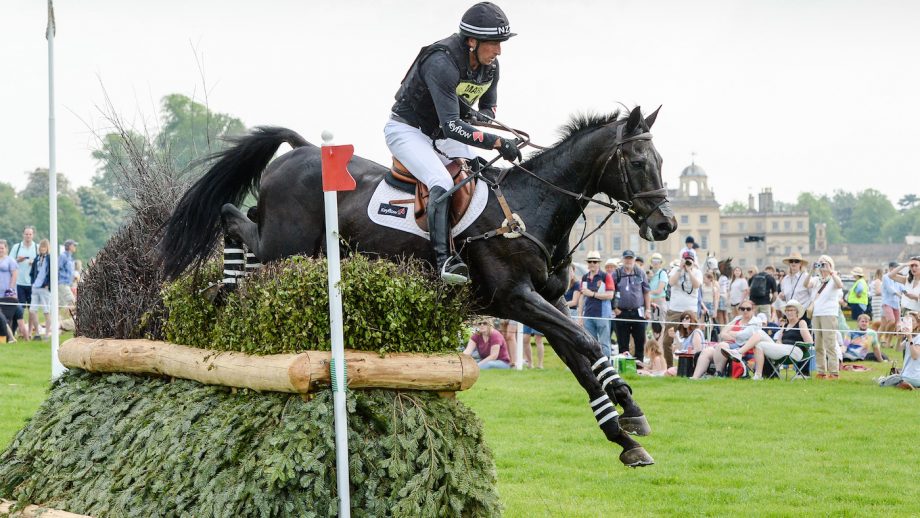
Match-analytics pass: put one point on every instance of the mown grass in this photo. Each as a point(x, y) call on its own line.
point(722, 447)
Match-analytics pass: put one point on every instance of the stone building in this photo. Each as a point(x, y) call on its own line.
point(698, 215)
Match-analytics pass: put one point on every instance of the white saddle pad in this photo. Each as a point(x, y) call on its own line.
point(402, 217)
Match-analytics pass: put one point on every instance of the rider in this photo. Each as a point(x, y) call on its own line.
point(429, 125)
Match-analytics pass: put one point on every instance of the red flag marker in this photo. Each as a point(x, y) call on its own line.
point(335, 171)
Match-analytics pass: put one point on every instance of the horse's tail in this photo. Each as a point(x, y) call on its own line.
point(193, 229)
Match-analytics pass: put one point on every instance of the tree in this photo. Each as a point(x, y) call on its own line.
point(103, 215)
point(114, 159)
point(16, 213)
point(842, 205)
point(819, 211)
point(735, 207)
point(38, 185)
point(191, 131)
point(908, 201)
point(71, 223)
point(872, 210)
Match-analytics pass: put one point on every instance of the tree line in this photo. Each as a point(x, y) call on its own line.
point(866, 216)
point(188, 132)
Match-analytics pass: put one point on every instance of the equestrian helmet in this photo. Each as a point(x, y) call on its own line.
point(485, 21)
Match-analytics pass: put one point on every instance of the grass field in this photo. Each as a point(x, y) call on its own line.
point(722, 447)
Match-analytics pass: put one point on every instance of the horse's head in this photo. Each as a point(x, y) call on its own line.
point(631, 173)
point(725, 267)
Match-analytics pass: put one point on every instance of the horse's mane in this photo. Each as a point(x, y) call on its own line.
point(586, 121)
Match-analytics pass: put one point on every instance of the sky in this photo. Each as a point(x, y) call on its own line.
point(793, 95)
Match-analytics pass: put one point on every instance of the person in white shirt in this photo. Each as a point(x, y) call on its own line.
point(691, 248)
point(685, 281)
point(795, 285)
point(824, 322)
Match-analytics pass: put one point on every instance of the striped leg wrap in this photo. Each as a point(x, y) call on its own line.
point(234, 261)
point(252, 263)
point(603, 409)
point(604, 371)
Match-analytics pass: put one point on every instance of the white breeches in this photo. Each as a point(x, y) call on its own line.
point(413, 148)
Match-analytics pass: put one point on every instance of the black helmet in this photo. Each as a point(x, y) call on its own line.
point(485, 21)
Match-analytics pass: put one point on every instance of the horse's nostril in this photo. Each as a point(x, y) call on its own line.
point(664, 226)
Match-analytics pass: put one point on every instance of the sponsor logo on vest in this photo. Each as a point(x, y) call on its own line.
point(458, 129)
point(392, 210)
point(477, 136)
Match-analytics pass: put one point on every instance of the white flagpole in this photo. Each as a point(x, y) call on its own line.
point(338, 346)
point(56, 367)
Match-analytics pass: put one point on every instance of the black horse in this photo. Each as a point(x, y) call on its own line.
point(520, 279)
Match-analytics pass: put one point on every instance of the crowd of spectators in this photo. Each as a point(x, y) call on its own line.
point(25, 285)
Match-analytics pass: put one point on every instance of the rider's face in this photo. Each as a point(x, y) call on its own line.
point(488, 51)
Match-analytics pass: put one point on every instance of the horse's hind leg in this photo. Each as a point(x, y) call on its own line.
point(238, 226)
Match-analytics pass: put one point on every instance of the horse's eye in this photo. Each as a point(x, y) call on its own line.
point(636, 163)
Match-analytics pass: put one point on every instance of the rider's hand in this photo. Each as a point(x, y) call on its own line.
point(508, 149)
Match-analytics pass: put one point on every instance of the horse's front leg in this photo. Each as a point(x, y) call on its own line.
point(568, 339)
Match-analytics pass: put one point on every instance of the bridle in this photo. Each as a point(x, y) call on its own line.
point(513, 226)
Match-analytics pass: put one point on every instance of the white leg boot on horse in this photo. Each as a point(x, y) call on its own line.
point(451, 267)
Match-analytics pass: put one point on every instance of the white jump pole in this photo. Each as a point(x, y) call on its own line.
point(338, 344)
point(56, 367)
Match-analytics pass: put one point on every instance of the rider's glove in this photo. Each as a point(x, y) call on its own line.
point(509, 150)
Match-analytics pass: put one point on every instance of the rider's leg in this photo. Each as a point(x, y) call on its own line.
point(411, 147)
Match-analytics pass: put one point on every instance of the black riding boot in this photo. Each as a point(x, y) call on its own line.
point(451, 267)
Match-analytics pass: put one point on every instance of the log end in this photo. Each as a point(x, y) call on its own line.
point(470, 371)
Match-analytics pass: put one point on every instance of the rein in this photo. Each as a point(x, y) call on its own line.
point(514, 227)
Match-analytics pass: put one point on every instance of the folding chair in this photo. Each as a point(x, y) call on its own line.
point(797, 366)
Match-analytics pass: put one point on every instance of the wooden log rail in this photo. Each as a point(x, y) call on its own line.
point(293, 373)
point(34, 511)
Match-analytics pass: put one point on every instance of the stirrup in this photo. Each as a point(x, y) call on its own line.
point(455, 271)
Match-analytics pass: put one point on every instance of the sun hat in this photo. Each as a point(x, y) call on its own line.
point(794, 256)
point(594, 255)
point(611, 261)
point(857, 272)
point(656, 257)
point(797, 305)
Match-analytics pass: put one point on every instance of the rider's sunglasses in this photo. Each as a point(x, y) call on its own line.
point(746, 308)
point(794, 261)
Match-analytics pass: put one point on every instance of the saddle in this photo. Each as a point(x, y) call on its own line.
point(400, 178)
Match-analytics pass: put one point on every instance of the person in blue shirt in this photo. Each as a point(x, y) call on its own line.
point(597, 290)
point(66, 274)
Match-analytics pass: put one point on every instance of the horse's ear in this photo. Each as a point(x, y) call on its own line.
point(651, 118)
point(633, 121)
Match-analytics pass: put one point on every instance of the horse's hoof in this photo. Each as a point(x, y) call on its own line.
point(635, 425)
point(636, 457)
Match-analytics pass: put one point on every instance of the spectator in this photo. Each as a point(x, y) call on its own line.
point(9, 271)
point(910, 299)
point(41, 285)
point(891, 303)
point(710, 294)
point(763, 291)
point(488, 346)
point(875, 291)
point(858, 296)
point(737, 290)
point(597, 291)
point(640, 263)
point(66, 275)
point(734, 335)
point(24, 252)
point(909, 378)
point(658, 284)
point(685, 280)
point(632, 305)
point(572, 293)
point(508, 329)
point(689, 334)
point(538, 342)
point(794, 330)
point(724, 305)
point(826, 309)
point(609, 267)
point(862, 344)
point(656, 364)
point(689, 246)
point(795, 285)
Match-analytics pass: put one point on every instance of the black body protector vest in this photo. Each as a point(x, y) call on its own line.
point(413, 100)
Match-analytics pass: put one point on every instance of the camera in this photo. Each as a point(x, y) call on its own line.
point(819, 265)
point(688, 262)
